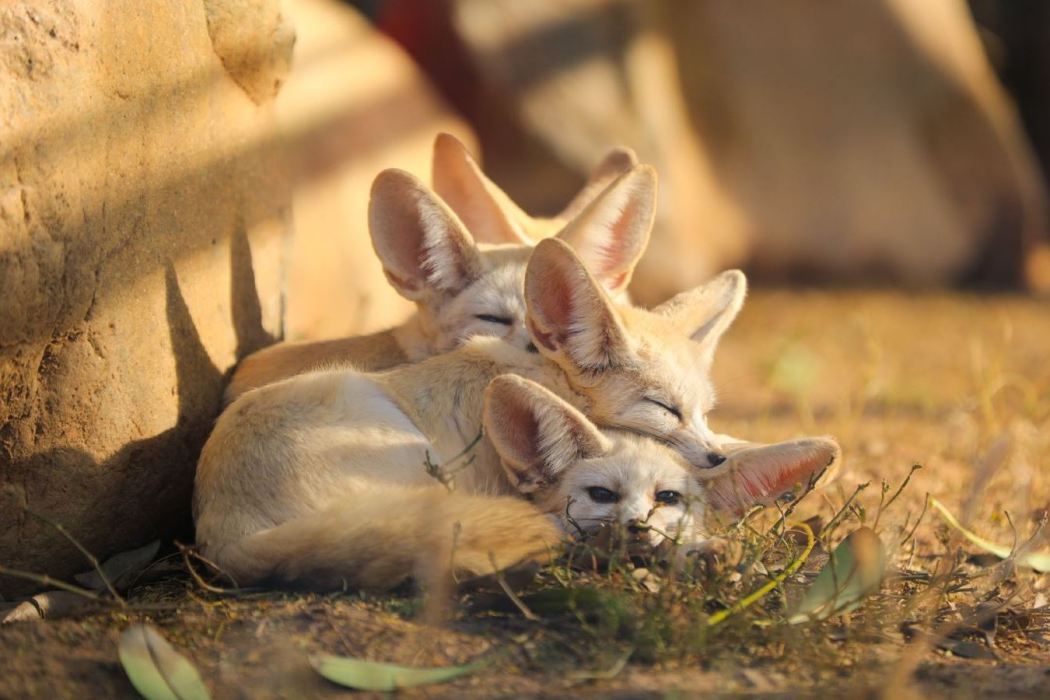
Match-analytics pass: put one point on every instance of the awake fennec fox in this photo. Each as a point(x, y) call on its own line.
point(463, 283)
point(279, 453)
point(377, 532)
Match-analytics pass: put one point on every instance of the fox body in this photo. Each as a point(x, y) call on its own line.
point(320, 520)
point(463, 265)
point(296, 448)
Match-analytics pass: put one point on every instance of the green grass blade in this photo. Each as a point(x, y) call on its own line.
point(749, 600)
point(156, 670)
point(372, 675)
point(853, 572)
point(1040, 561)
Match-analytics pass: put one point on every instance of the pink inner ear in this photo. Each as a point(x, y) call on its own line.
point(762, 474)
point(554, 302)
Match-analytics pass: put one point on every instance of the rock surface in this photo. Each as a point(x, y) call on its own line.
point(175, 193)
point(144, 208)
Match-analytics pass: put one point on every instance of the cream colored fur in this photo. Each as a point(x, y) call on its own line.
point(375, 523)
point(295, 448)
point(490, 214)
point(460, 285)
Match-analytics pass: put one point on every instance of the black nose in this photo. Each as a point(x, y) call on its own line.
point(715, 458)
point(636, 526)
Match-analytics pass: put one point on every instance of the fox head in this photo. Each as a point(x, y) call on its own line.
point(493, 217)
point(647, 372)
point(586, 477)
point(464, 288)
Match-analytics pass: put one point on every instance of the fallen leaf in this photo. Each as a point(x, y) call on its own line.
point(121, 569)
point(966, 649)
point(156, 670)
point(604, 674)
point(853, 572)
point(46, 606)
point(372, 675)
point(1040, 561)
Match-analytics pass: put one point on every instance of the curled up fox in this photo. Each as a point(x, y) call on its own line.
point(597, 415)
point(490, 239)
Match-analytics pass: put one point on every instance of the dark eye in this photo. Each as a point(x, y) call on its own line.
point(600, 494)
point(670, 409)
point(489, 318)
point(668, 498)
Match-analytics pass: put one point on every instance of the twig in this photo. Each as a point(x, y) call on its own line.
point(83, 550)
point(188, 550)
point(882, 507)
point(787, 512)
point(844, 509)
point(446, 477)
point(572, 521)
point(922, 513)
point(518, 602)
point(45, 580)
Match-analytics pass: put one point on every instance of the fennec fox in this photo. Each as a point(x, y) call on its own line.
point(584, 477)
point(280, 453)
point(461, 287)
point(379, 529)
point(493, 217)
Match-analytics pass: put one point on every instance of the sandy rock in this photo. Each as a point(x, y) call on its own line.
point(144, 209)
point(156, 159)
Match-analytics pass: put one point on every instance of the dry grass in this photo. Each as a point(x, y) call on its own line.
point(959, 385)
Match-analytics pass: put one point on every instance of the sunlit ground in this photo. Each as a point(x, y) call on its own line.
point(957, 384)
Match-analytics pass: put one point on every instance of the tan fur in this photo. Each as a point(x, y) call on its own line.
point(490, 214)
point(431, 258)
point(369, 353)
point(291, 449)
point(357, 544)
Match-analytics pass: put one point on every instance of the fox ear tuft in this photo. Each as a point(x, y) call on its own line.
point(568, 314)
point(706, 312)
point(487, 212)
point(760, 474)
point(611, 232)
point(422, 244)
point(536, 434)
point(615, 163)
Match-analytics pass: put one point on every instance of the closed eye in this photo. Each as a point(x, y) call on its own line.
point(670, 409)
point(600, 494)
point(668, 498)
point(489, 318)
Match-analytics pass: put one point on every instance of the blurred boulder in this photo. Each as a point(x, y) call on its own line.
point(862, 141)
point(144, 210)
point(353, 105)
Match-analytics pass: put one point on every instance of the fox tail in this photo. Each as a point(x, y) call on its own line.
point(381, 537)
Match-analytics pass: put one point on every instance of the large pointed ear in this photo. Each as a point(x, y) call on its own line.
point(536, 434)
point(611, 233)
point(568, 314)
point(760, 474)
point(423, 246)
point(706, 312)
point(615, 163)
point(488, 213)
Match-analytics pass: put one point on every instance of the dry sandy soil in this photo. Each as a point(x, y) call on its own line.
point(959, 384)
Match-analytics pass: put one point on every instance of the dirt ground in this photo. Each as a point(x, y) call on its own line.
point(957, 384)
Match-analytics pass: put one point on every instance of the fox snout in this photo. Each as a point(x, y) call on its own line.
point(703, 455)
point(639, 531)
